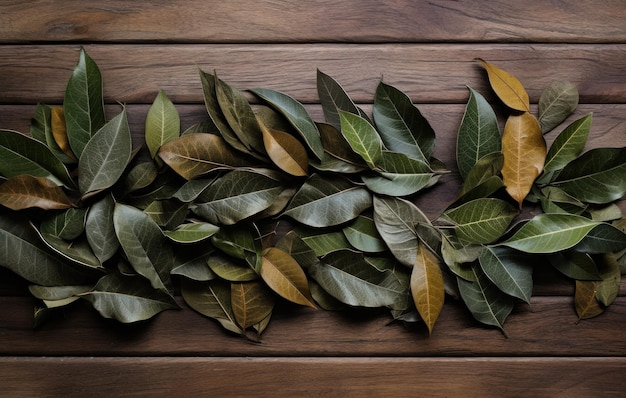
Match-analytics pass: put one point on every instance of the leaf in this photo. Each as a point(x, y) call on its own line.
point(41, 125)
point(162, 123)
point(507, 87)
point(478, 134)
point(192, 232)
point(228, 269)
point(284, 276)
point(363, 236)
point(575, 265)
point(211, 300)
point(402, 175)
point(83, 103)
point(241, 243)
point(100, 230)
point(607, 289)
point(285, 151)
point(193, 155)
point(192, 263)
point(397, 221)
point(548, 233)
point(556, 103)
point(292, 244)
point(297, 116)
point(59, 132)
point(193, 189)
point(252, 302)
point(587, 306)
point(147, 250)
point(568, 145)
point(25, 191)
point(24, 155)
point(333, 99)
point(55, 293)
point(362, 137)
point(603, 238)
point(352, 280)
point(427, 286)
point(596, 176)
point(326, 201)
point(128, 299)
point(236, 196)
point(402, 127)
point(481, 220)
point(485, 301)
point(509, 270)
point(77, 251)
point(68, 224)
point(140, 176)
point(336, 145)
point(106, 156)
point(458, 257)
point(524, 152)
point(167, 213)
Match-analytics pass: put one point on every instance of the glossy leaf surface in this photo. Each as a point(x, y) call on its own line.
point(192, 232)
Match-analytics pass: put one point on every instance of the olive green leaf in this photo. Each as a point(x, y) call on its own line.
point(57, 293)
point(568, 144)
point(337, 147)
point(192, 189)
point(401, 175)
point(193, 155)
point(192, 232)
point(457, 256)
point(297, 116)
point(285, 151)
point(506, 86)
point(481, 220)
point(41, 130)
point(603, 238)
point(333, 99)
point(211, 300)
point(326, 201)
point(556, 103)
point(128, 299)
point(236, 196)
point(140, 176)
point(100, 230)
point(349, 278)
point(478, 134)
point(167, 213)
point(252, 302)
point(231, 270)
point(68, 224)
point(106, 156)
point(25, 191)
point(608, 212)
point(21, 154)
point(483, 170)
point(510, 270)
point(162, 123)
point(401, 125)
point(284, 276)
point(548, 233)
point(597, 176)
point(77, 250)
point(607, 288)
point(192, 263)
point(585, 301)
point(487, 303)
point(427, 286)
point(575, 265)
point(324, 243)
point(296, 247)
point(241, 243)
point(147, 250)
point(363, 235)
point(362, 137)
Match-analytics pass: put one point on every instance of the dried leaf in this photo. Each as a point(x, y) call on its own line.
point(59, 131)
point(252, 302)
point(231, 270)
point(607, 289)
point(587, 306)
point(285, 151)
point(556, 103)
point(41, 130)
point(211, 300)
point(575, 265)
point(507, 88)
point(427, 286)
point(284, 276)
point(25, 191)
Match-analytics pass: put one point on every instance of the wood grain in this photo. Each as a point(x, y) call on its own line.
point(215, 21)
point(428, 73)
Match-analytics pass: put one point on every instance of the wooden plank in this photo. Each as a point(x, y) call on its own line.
point(428, 73)
point(548, 327)
point(328, 377)
point(326, 21)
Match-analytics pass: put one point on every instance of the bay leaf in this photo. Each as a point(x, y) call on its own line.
point(41, 130)
point(336, 145)
point(24, 191)
point(427, 286)
point(607, 288)
point(192, 232)
point(55, 293)
point(167, 213)
point(363, 235)
point(192, 263)
point(362, 138)
point(507, 87)
point(481, 221)
point(241, 243)
point(140, 176)
point(585, 302)
point(211, 300)
point(252, 302)
point(231, 270)
point(100, 230)
point(568, 144)
point(68, 224)
point(193, 189)
point(59, 132)
point(162, 123)
point(510, 270)
point(323, 243)
point(293, 244)
point(333, 99)
point(283, 275)
point(556, 103)
point(575, 265)
point(603, 238)
point(77, 250)
point(285, 151)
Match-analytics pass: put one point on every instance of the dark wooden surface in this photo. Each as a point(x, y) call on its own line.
point(425, 48)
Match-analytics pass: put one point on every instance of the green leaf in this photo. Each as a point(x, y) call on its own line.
point(233, 271)
point(548, 233)
point(162, 123)
point(297, 116)
point(24, 192)
point(41, 130)
point(192, 232)
point(362, 137)
point(192, 263)
point(478, 135)
point(128, 298)
point(352, 280)
point(402, 127)
point(363, 236)
point(100, 230)
point(83, 103)
point(607, 288)
point(568, 144)
point(252, 302)
point(487, 303)
point(147, 250)
point(56, 293)
point(575, 265)
point(333, 99)
point(193, 189)
point(509, 270)
point(339, 151)
point(236, 196)
point(211, 300)
point(21, 154)
point(603, 238)
point(556, 103)
point(140, 176)
point(167, 213)
point(458, 257)
point(481, 220)
point(597, 176)
point(68, 224)
point(296, 247)
point(105, 156)
point(327, 201)
point(402, 175)
point(77, 250)
point(324, 243)
point(284, 276)
point(241, 243)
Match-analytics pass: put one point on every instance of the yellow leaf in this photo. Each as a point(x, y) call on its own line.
point(284, 275)
point(25, 191)
point(524, 151)
point(252, 302)
point(585, 301)
point(507, 87)
point(285, 151)
point(59, 131)
point(427, 286)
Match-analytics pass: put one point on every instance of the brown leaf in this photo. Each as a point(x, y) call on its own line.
point(284, 275)
point(427, 286)
point(59, 131)
point(252, 302)
point(587, 305)
point(285, 151)
point(524, 151)
point(507, 87)
point(25, 191)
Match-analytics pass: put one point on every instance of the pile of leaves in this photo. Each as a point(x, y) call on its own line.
point(260, 203)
